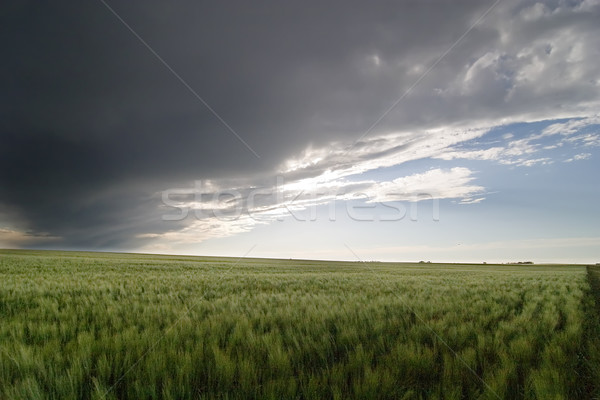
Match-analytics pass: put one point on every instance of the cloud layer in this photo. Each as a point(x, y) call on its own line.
point(93, 127)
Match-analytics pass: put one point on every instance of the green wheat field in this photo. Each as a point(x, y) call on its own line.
point(77, 325)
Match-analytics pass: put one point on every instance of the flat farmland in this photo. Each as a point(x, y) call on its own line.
point(77, 325)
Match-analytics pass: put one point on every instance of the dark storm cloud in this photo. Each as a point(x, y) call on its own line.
point(93, 126)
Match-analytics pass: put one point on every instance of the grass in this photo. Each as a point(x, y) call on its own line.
point(124, 326)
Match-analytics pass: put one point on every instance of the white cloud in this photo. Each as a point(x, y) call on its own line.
point(571, 127)
point(198, 231)
point(290, 198)
point(511, 154)
point(472, 201)
point(521, 152)
point(585, 139)
point(494, 153)
point(534, 161)
point(435, 183)
point(577, 157)
point(376, 151)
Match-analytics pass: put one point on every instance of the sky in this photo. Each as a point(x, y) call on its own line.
point(393, 131)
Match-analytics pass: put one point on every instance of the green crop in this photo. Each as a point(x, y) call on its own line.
point(119, 326)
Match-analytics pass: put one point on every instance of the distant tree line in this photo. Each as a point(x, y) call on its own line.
point(521, 262)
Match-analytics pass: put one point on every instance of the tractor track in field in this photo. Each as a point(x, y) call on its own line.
point(588, 368)
point(593, 272)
